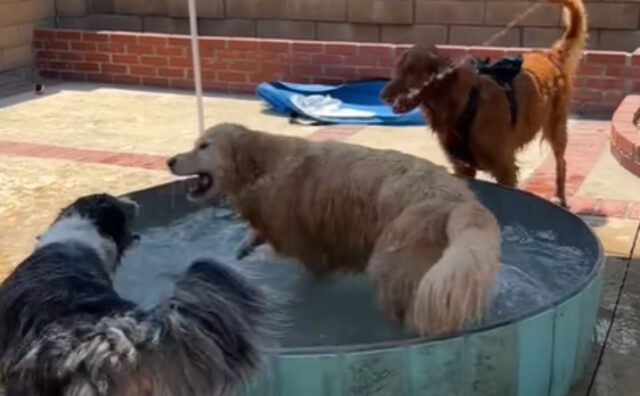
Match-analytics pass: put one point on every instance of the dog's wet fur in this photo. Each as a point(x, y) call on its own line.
point(424, 77)
point(64, 331)
point(420, 234)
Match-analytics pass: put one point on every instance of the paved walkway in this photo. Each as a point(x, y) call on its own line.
point(79, 138)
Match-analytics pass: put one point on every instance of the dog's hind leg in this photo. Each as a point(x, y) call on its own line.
point(402, 255)
point(556, 134)
point(506, 174)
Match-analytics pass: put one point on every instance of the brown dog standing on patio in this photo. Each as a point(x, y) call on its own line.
point(431, 249)
point(481, 122)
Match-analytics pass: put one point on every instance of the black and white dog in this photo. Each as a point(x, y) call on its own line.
point(64, 331)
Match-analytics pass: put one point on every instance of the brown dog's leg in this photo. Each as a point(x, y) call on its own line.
point(556, 135)
point(463, 170)
point(506, 174)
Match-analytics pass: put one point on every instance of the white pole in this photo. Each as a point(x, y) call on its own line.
point(195, 50)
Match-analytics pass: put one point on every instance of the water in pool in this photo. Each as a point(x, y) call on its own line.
point(536, 271)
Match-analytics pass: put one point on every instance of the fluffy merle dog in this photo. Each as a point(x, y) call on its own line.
point(64, 331)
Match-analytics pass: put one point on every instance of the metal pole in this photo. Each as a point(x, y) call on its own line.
point(195, 51)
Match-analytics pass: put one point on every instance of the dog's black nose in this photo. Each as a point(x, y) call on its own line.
point(171, 162)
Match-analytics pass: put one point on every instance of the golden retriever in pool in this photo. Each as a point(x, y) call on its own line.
point(430, 248)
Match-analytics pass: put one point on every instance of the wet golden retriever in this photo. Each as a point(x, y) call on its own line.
point(476, 123)
point(430, 248)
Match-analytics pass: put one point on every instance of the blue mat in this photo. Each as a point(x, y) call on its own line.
point(349, 103)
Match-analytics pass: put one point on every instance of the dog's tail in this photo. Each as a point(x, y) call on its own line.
point(203, 340)
point(570, 46)
point(457, 288)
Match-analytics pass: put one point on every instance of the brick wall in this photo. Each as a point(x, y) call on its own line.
point(614, 24)
point(238, 64)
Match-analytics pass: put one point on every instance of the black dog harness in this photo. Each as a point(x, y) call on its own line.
point(503, 72)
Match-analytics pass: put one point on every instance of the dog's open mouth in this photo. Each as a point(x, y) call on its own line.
point(200, 185)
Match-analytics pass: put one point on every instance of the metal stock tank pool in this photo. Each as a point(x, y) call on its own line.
point(536, 339)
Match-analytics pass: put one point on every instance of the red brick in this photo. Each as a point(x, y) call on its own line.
point(340, 71)
point(242, 44)
point(111, 47)
point(274, 45)
point(262, 56)
point(128, 59)
point(274, 68)
point(209, 75)
point(591, 70)
point(622, 71)
point(231, 54)
point(170, 51)
point(295, 59)
point(328, 59)
point(140, 49)
point(170, 72)
point(587, 95)
point(86, 66)
point(307, 46)
point(61, 65)
point(157, 40)
point(387, 62)
point(339, 48)
point(123, 38)
point(362, 60)
point(179, 41)
point(126, 79)
point(602, 83)
point(374, 72)
point(68, 35)
point(154, 60)
point(56, 45)
point(309, 70)
point(490, 52)
point(244, 66)
point(606, 57)
point(100, 37)
point(213, 64)
point(242, 88)
point(626, 162)
point(156, 82)
point(71, 56)
point(213, 43)
point(47, 54)
point(263, 77)
point(83, 46)
point(180, 62)
point(380, 50)
point(228, 76)
point(114, 69)
point(143, 71)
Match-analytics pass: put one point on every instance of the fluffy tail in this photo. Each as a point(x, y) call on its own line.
point(570, 46)
point(202, 341)
point(457, 288)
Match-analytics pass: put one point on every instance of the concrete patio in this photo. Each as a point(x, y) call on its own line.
point(81, 138)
